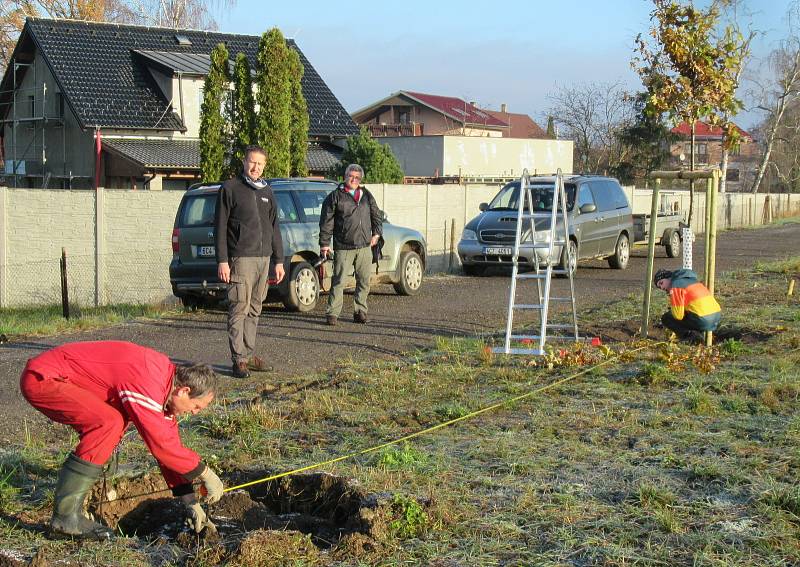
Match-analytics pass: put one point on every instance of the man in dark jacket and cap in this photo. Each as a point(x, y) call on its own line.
point(351, 217)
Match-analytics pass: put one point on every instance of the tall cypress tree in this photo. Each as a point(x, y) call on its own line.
point(273, 122)
point(213, 122)
point(298, 143)
point(243, 114)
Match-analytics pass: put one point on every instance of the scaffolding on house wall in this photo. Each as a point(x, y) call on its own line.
point(31, 162)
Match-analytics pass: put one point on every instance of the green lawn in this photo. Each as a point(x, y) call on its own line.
point(648, 453)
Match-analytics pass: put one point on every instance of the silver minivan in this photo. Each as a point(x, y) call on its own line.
point(599, 217)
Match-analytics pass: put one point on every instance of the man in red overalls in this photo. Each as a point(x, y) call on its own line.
point(98, 388)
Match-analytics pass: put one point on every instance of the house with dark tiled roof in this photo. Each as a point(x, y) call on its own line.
point(81, 100)
point(742, 160)
point(409, 113)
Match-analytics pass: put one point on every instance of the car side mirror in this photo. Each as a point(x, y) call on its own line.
point(483, 207)
point(588, 208)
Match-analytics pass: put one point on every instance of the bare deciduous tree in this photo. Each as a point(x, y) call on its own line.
point(11, 21)
point(776, 97)
point(196, 14)
point(784, 161)
point(592, 116)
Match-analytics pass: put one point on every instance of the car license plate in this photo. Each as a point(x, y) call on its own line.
point(206, 251)
point(499, 251)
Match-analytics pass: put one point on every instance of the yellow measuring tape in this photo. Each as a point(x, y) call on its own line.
point(435, 427)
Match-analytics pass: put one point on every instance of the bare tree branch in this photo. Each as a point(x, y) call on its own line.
point(783, 90)
point(592, 116)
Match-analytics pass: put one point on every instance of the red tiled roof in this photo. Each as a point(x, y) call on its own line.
point(703, 130)
point(457, 109)
point(522, 125)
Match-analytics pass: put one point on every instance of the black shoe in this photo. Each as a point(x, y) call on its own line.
point(360, 317)
point(330, 320)
point(240, 370)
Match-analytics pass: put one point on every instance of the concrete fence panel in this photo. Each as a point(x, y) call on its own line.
point(118, 241)
point(38, 225)
point(137, 247)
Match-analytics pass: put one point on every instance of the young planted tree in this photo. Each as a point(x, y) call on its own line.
point(378, 161)
point(213, 120)
point(692, 69)
point(243, 115)
point(274, 98)
point(298, 140)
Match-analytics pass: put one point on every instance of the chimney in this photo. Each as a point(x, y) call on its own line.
point(503, 108)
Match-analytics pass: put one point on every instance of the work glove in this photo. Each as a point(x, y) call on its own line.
point(196, 517)
point(212, 484)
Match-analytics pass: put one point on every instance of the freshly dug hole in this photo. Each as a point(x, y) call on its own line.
point(324, 506)
point(319, 508)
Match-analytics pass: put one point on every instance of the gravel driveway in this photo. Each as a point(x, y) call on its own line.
point(447, 306)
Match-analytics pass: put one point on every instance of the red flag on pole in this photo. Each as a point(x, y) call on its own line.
point(98, 146)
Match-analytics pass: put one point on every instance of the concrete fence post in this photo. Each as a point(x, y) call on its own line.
point(99, 247)
point(428, 213)
point(466, 200)
point(4, 246)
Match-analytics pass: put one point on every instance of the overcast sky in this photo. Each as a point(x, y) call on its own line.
point(507, 51)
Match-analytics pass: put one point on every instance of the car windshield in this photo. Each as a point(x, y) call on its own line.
point(310, 195)
point(198, 210)
point(311, 203)
point(541, 196)
point(326, 186)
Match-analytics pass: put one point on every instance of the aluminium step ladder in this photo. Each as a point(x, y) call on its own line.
point(527, 238)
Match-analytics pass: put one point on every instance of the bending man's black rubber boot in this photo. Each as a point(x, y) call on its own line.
point(74, 482)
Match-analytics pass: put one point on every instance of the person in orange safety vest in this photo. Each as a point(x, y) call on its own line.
point(692, 307)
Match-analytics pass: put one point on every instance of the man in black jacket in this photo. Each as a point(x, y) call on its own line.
point(247, 236)
point(351, 216)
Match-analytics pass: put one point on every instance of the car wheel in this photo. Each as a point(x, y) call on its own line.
point(411, 272)
point(673, 245)
point(622, 253)
point(474, 270)
point(302, 288)
point(569, 259)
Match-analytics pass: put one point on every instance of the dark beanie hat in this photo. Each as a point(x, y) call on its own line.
point(662, 274)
